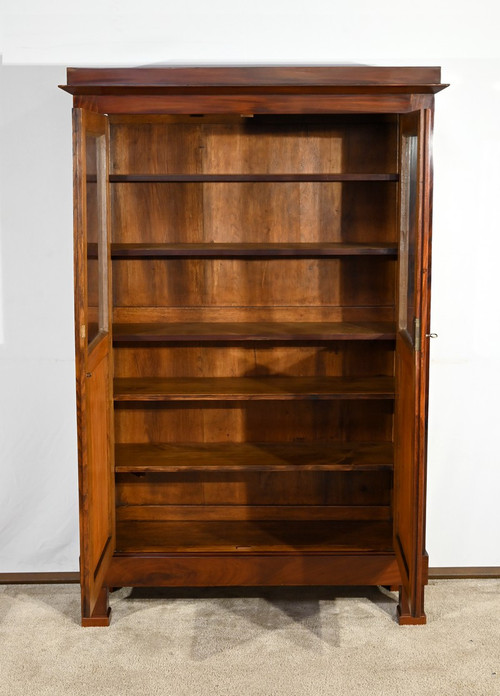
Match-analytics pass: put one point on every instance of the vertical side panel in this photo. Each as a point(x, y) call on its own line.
point(93, 360)
point(411, 362)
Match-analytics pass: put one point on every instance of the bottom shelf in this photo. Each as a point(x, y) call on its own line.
point(252, 536)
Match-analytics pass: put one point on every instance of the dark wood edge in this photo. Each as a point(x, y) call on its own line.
point(257, 75)
point(39, 578)
point(236, 251)
point(103, 90)
point(408, 620)
point(203, 570)
point(249, 178)
point(438, 573)
point(246, 103)
point(96, 621)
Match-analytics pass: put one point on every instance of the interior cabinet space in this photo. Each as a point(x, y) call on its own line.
point(252, 255)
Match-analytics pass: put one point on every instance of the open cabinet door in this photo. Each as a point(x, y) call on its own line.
point(93, 361)
point(411, 364)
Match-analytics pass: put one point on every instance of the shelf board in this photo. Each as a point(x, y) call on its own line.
point(253, 456)
point(221, 250)
point(252, 331)
point(241, 512)
point(252, 388)
point(181, 178)
point(251, 537)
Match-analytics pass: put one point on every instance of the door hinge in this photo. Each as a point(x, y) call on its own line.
point(418, 334)
point(83, 331)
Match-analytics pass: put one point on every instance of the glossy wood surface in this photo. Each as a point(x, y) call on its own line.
point(256, 244)
point(265, 456)
point(235, 250)
point(361, 78)
point(236, 178)
point(191, 570)
point(251, 388)
point(409, 482)
point(253, 537)
point(93, 375)
point(290, 101)
point(250, 331)
point(185, 512)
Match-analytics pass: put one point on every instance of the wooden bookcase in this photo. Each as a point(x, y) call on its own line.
point(252, 269)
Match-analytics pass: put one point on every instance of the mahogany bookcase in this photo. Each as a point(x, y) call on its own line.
point(252, 284)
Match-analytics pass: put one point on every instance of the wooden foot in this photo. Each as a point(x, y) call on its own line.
point(405, 617)
point(102, 612)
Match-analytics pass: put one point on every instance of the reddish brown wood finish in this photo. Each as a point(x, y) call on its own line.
point(249, 331)
point(255, 306)
point(236, 178)
point(252, 389)
point(235, 250)
point(190, 570)
point(261, 456)
point(249, 104)
point(94, 370)
point(101, 614)
point(361, 79)
point(409, 478)
point(281, 513)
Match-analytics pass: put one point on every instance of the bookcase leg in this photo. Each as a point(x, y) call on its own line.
point(102, 612)
point(405, 617)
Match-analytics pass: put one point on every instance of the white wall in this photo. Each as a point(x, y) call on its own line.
point(38, 497)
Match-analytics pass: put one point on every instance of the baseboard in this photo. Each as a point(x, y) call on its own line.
point(456, 573)
point(38, 578)
point(465, 573)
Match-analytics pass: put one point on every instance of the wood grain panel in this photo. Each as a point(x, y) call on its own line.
point(264, 144)
point(255, 488)
point(167, 457)
point(233, 282)
point(255, 332)
point(156, 148)
point(179, 513)
point(156, 570)
point(99, 465)
point(135, 315)
point(250, 536)
point(348, 358)
point(359, 76)
point(374, 101)
point(254, 212)
point(157, 212)
point(142, 250)
point(252, 388)
point(256, 421)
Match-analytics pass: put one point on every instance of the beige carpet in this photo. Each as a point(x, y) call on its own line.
point(251, 642)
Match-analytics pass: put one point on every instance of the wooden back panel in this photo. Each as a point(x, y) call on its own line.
point(161, 144)
point(252, 290)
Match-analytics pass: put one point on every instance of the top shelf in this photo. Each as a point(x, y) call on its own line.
point(239, 250)
point(179, 178)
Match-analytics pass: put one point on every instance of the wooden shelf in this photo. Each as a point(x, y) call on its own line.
point(252, 388)
point(254, 456)
point(250, 536)
point(253, 331)
point(220, 250)
point(246, 536)
point(181, 178)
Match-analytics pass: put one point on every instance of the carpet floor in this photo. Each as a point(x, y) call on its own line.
point(247, 642)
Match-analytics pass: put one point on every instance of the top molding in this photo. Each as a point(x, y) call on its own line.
point(213, 80)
